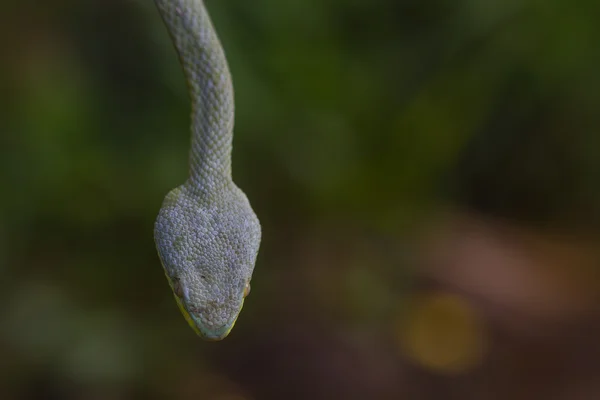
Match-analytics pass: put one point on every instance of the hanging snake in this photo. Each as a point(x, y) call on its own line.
point(206, 233)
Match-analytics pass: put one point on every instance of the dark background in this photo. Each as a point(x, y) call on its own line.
point(426, 173)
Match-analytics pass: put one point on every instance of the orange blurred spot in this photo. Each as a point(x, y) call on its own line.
point(443, 333)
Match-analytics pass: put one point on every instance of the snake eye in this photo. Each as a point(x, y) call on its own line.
point(247, 289)
point(177, 288)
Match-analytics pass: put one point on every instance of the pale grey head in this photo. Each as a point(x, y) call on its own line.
point(208, 247)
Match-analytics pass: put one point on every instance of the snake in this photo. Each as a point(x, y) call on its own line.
point(206, 232)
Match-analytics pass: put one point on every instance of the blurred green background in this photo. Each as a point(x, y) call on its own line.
point(426, 173)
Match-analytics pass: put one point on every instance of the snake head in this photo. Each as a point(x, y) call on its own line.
point(208, 248)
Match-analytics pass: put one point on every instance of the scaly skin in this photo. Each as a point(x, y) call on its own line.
point(206, 233)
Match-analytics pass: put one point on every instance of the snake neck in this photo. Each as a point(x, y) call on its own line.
point(210, 90)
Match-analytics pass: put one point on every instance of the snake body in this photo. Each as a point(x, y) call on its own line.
point(206, 233)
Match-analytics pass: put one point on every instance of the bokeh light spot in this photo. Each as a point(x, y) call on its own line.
point(443, 333)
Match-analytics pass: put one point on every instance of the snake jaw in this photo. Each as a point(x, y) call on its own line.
point(214, 335)
point(194, 314)
point(193, 317)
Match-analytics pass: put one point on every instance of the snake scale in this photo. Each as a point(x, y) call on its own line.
point(206, 233)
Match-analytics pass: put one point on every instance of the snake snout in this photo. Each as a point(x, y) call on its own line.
point(212, 331)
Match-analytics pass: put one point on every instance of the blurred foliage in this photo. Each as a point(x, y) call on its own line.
point(357, 125)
